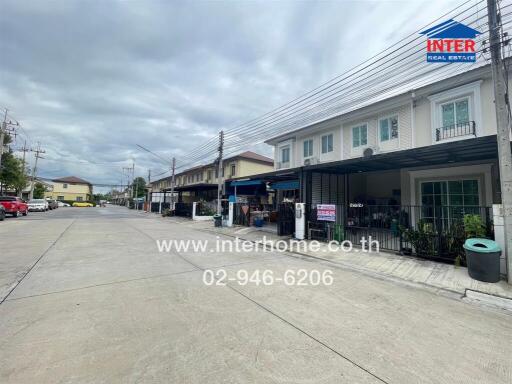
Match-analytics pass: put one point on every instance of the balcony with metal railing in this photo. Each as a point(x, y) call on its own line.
point(455, 131)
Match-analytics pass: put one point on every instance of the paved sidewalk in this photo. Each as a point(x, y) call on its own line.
point(383, 264)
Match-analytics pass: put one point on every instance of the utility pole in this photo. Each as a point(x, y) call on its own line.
point(38, 152)
point(220, 175)
point(503, 127)
point(132, 188)
point(136, 197)
point(148, 197)
point(24, 150)
point(173, 170)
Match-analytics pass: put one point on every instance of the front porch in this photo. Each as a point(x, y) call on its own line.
point(412, 202)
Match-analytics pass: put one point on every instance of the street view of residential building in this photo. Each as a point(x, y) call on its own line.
point(256, 192)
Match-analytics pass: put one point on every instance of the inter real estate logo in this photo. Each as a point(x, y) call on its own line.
point(451, 42)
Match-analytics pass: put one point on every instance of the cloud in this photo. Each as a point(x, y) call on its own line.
point(91, 79)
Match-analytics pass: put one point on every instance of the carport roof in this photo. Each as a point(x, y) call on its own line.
point(474, 149)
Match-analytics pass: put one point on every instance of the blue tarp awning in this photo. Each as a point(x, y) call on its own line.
point(293, 184)
point(239, 183)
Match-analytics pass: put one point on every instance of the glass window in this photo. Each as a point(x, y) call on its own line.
point(454, 113)
point(327, 143)
point(359, 136)
point(285, 155)
point(64, 185)
point(448, 200)
point(233, 169)
point(462, 111)
point(388, 128)
point(308, 148)
point(384, 130)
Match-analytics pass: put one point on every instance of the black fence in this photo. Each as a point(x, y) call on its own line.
point(206, 208)
point(286, 219)
point(325, 230)
point(456, 130)
point(183, 209)
point(241, 214)
point(432, 232)
point(155, 207)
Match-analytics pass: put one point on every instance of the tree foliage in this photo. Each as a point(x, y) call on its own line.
point(12, 174)
point(138, 187)
point(39, 190)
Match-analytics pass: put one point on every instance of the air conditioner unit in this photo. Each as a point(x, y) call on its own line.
point(370, 151)
point(311, 161)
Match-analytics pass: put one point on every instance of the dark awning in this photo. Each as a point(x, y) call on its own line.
point(474, 149)
point(285, 185)
point(194, 187)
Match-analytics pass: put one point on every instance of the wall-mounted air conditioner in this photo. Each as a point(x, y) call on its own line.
point(311, 161)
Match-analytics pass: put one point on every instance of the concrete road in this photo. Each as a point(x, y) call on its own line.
point(87, 298)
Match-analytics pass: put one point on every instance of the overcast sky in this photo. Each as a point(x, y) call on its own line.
point(91, 79)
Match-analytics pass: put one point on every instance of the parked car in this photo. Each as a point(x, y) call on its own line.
point(52, 204)
point(63, 204)
point(2, 213)
point(14, 205)
point(82, 204)
point(40, 205)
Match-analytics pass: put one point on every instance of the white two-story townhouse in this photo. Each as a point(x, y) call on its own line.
point(424, 157)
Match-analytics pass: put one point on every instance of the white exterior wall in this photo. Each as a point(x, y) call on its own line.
point(318, 156)
point(418, 118)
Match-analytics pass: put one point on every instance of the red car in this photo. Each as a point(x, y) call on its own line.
point(14, 205)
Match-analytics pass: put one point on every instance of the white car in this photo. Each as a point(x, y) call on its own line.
point(40, 205)
point(62, 204)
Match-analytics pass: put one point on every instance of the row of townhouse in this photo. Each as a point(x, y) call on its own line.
point(403, 150)
point(201, 182)
point(427, 156)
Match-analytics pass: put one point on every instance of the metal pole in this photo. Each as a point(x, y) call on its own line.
point(503, 129)
point(2, 133)
point(172, 182)
point(148, 196)
point(219, 179)
point(34, 171)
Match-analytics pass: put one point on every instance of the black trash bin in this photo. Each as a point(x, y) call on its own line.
point(483, 258)
point(218, 220)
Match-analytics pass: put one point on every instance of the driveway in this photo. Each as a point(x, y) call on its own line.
point(88, 298)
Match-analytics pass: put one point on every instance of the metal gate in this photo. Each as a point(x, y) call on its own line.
point(286, 219)
point(241, 214)
point(183, 209)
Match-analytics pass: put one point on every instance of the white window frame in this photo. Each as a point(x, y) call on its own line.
point(322, 140)
point(388, 117)
point(232, 169)
point(281, 150)
point(470, 91)
point(311, 148)
point(359, 147)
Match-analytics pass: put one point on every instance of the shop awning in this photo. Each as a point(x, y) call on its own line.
point(285, 185)
point(240, 183)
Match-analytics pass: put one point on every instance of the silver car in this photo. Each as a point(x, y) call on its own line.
point(40, 205)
